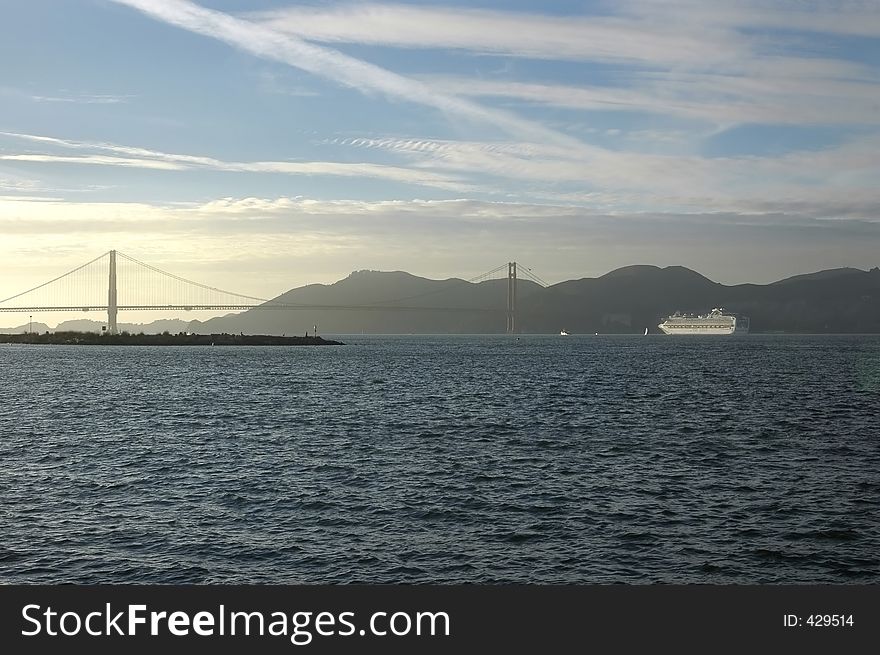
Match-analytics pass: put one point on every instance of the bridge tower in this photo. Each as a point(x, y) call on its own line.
point(112, 327)
point(511, 297)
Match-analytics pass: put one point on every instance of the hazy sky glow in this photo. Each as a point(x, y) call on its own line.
point(266, 144)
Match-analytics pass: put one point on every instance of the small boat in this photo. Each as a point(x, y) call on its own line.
point(646, 331)
point(563, 333)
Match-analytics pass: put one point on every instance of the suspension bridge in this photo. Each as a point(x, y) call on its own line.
point(115, 282)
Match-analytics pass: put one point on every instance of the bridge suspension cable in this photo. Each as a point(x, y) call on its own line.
point(525, 270)
point(139, 287)
point(60, 277)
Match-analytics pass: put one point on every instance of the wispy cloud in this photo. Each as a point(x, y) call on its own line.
point(846, 17)
point(823, 183)
point(597, 37)
point(85, 99)
point(66, 97)
point(18, 184)
point(656, 32)
point(133, 157)
point(27, 188)
point(718, 73)
point(99, 160)
point(714, 99)
point(274, 45)
point(712, 62)
point(827, 183)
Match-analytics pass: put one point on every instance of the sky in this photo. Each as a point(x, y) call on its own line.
point(263, 145)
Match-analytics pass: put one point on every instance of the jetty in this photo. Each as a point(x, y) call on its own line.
point(165, 339)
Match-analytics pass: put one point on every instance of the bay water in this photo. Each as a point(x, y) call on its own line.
point(444, 459)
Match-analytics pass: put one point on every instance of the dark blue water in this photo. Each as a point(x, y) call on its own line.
point(447, 459)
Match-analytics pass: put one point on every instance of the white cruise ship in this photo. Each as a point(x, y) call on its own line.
point(715, 322)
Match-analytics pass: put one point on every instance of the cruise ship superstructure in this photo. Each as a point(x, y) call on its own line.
point(717, 321)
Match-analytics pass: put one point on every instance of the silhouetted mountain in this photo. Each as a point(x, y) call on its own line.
point(373, 299)
point(27, 327)
point(173, 326)
point(822, 275)
point(828, 301)
point(626, 300)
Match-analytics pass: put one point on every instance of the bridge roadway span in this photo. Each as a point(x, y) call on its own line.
point(389, 307)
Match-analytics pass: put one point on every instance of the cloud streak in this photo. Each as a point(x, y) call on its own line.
point(713, 99)
point(84, 99)
point(846, 18)
point(521, 34)
point(716, 35)
point(717, 73)
point(834, 182)
point(822, 183)
point(66, 98)
point(731, 62)
point(133, 157)
point(268, 43)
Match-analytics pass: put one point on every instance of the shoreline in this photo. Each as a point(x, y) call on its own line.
point(181, 339)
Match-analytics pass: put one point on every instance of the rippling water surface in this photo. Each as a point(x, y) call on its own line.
point(581, 459)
